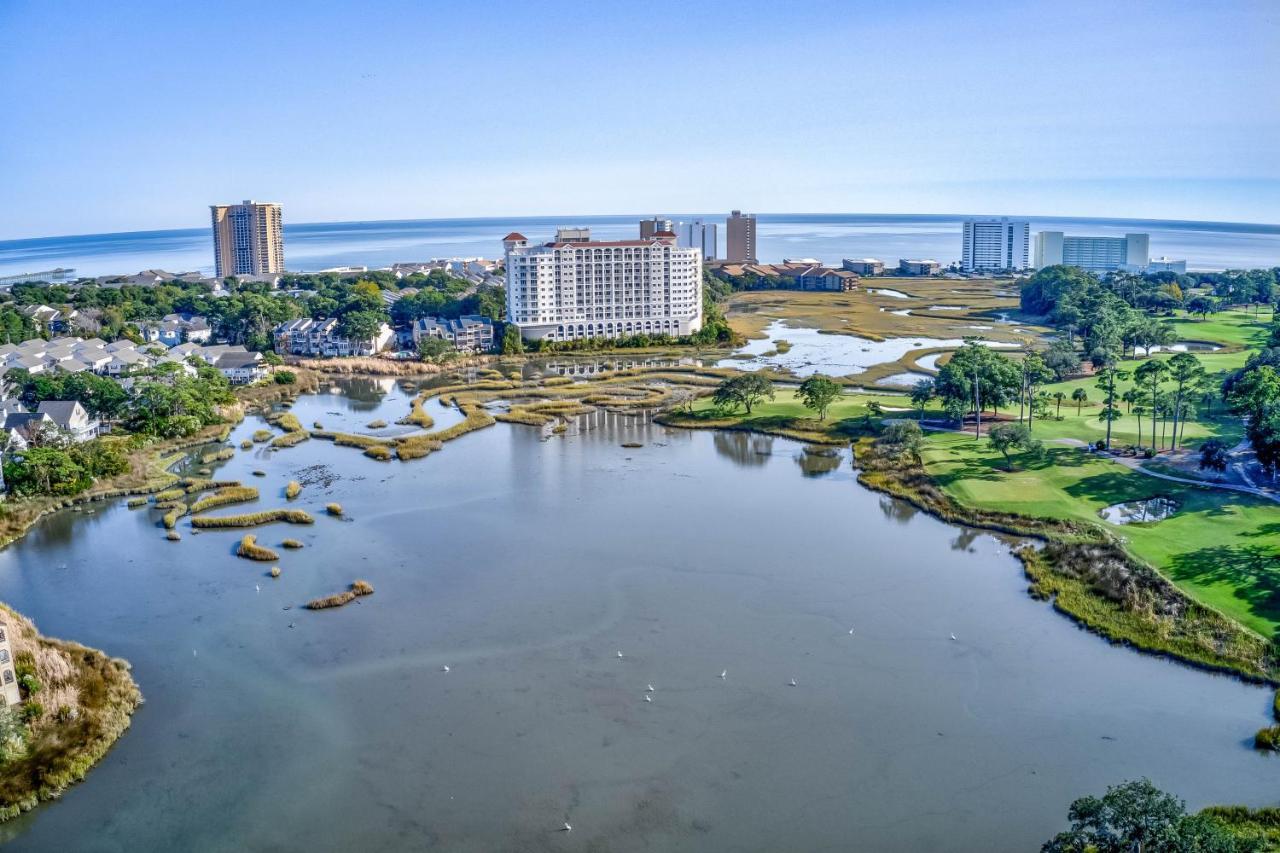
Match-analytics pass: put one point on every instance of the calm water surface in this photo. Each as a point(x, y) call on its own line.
point(525, 565)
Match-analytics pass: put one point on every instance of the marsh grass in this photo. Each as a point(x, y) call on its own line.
point(246, 445)
point(170, 495)
point(251, 550)
point(377, 424)
point(291, 543)
point(213, 522)
point(218, 456)
point(379, 452)
point(292, 489)
point(262, 435)
point(333, 508)
point(224, 497)
point(170, 518)
point(275, 571)
point(358, 588)
point(173, 536)
point(134, 503)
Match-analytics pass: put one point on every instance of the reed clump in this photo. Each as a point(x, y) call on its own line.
point(170, 495)
point(275, 571)
point(171, 517)
point(417, 415)
point(134, 503)
point(358, 588)
point(218, 456)
point(224, 497)
point(292, 489)
point(377, 424)
point(262, 435)
point(251, 550)
point(291, 543)
point(291, 516)
point(289, 439)
point(379, 451)
point(1268, 739)
point(333, 509)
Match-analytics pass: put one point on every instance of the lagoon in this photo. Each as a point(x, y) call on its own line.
point(524, 562)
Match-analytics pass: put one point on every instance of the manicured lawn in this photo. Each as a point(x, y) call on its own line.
point(786, 405)
point(1231, 328)
point(1221, 548)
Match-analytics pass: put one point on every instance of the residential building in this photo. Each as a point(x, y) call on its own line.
point(468, 333)
point(1130, 253)
point(649, 227)
point(995, 244)
point(863, 266)
point(21, 428)
point(698, 235)
point(1163, 264)
point(241, 366)
point(248, 238)
point(918, 266)
point(571, 289)
point(9, 693)
point(324, 338)
point(740, 237)
point(174, 329)
point(71, 418)
point(814, 276)
point(50, 320)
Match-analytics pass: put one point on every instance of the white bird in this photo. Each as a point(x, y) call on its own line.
point(791, 683)
point(953, 636)
point(619, 652)
point(648, 698)
point(444, 668)
point(258, 587)
point(724, 673)
point(649, 689)
point(850, 632)
point(567, 827)
point(194, 653)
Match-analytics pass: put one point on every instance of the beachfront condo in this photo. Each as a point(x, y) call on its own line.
point(247, 238)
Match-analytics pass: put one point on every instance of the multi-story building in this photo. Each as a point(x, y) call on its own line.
point(9, 693)
point(468, 333)
point(649, 227)
point(740, 237)
point(1130, 253)
point(699, 235)
point(918, 266)
point(1165, 264)
point(248, 238)
point(324, 338)
point(995, 244)
point(863, 266)
point(574, 288)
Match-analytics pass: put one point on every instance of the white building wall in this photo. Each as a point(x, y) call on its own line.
point(995, 244)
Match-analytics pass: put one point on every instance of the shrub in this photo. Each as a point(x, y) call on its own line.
point(291, 543)
point(293, 489)
point(379, 451)
point(377, 424)
point(223, 497)
point(262, 435)
point(333, 509)
point(358, 588)
point(1268, 738)
point(251, 550)
point(292, 516)
point(275, 571)
point(286, 377)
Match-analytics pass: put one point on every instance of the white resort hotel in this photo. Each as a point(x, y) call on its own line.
point(575, 288)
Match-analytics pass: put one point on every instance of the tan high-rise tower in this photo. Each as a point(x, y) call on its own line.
point(740, 237)
point(248, 238)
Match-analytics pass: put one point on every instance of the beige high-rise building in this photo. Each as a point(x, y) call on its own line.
point(740, 237)
point(248, 238)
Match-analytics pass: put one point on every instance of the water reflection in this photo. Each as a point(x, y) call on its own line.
point(744, 448)
point(896, 510)
point(818, 461)
point(592, 365)
point(964, 539)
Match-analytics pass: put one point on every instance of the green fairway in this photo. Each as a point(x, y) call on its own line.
point(1222, 548)
point(1238, 328)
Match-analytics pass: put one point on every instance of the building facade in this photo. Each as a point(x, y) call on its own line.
point(1130, 253)
point(1166, 264)
point(324, 338)
point(649, 227)
point(863, 266)
point(574, 288)
point(248, 238)
point(918, 266)
point(740, 237)
point(995, 244)
point(699, 235)
point(469, 333)
point(9, 693)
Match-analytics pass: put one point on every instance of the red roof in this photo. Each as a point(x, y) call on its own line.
point(664, 233)
point(514, 235)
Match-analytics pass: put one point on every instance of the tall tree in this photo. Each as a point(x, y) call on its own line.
point(1185, 370)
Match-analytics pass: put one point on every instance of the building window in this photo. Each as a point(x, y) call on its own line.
point(4, 655)
point(8, 676)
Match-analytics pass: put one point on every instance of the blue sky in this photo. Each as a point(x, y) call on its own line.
point(135, 115)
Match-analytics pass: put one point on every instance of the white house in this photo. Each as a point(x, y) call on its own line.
point(71, 418)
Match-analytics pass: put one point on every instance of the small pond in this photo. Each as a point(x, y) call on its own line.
point(1138, 512)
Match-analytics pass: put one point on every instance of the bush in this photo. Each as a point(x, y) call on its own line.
point(333, 509)
point(1268, 738)
point(286, 377)
point(251, 550)
point(293, 489)
point(358, 588)
point(380, 452)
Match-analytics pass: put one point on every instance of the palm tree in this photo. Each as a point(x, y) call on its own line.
point(1081, 396)
point(1058, 397)
point(1139, 411)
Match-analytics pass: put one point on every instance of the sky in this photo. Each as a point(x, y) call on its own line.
point(136, 115)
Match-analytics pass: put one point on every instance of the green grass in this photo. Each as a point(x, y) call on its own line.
point(1221, 548)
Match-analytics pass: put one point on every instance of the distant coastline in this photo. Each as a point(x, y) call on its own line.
point(829, 237)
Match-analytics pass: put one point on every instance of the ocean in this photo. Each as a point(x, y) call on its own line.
point(827, 237)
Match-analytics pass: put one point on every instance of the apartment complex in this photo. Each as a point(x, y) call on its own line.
point(740, 237)
point(1131, 253)
point(574, 288)
point(700, 235)
point(248, 238)
point(918, 266)
point(325, 338)
point(996, 244)
point(863, 266)
point(469, 333)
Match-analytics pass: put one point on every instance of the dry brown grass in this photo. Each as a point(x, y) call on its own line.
point(358, 588)
point(251, 550)
point(292, 489)
point(291, 543)
point(254, 519)
point(224, 497)
point(379, 452)
point(333, 508)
